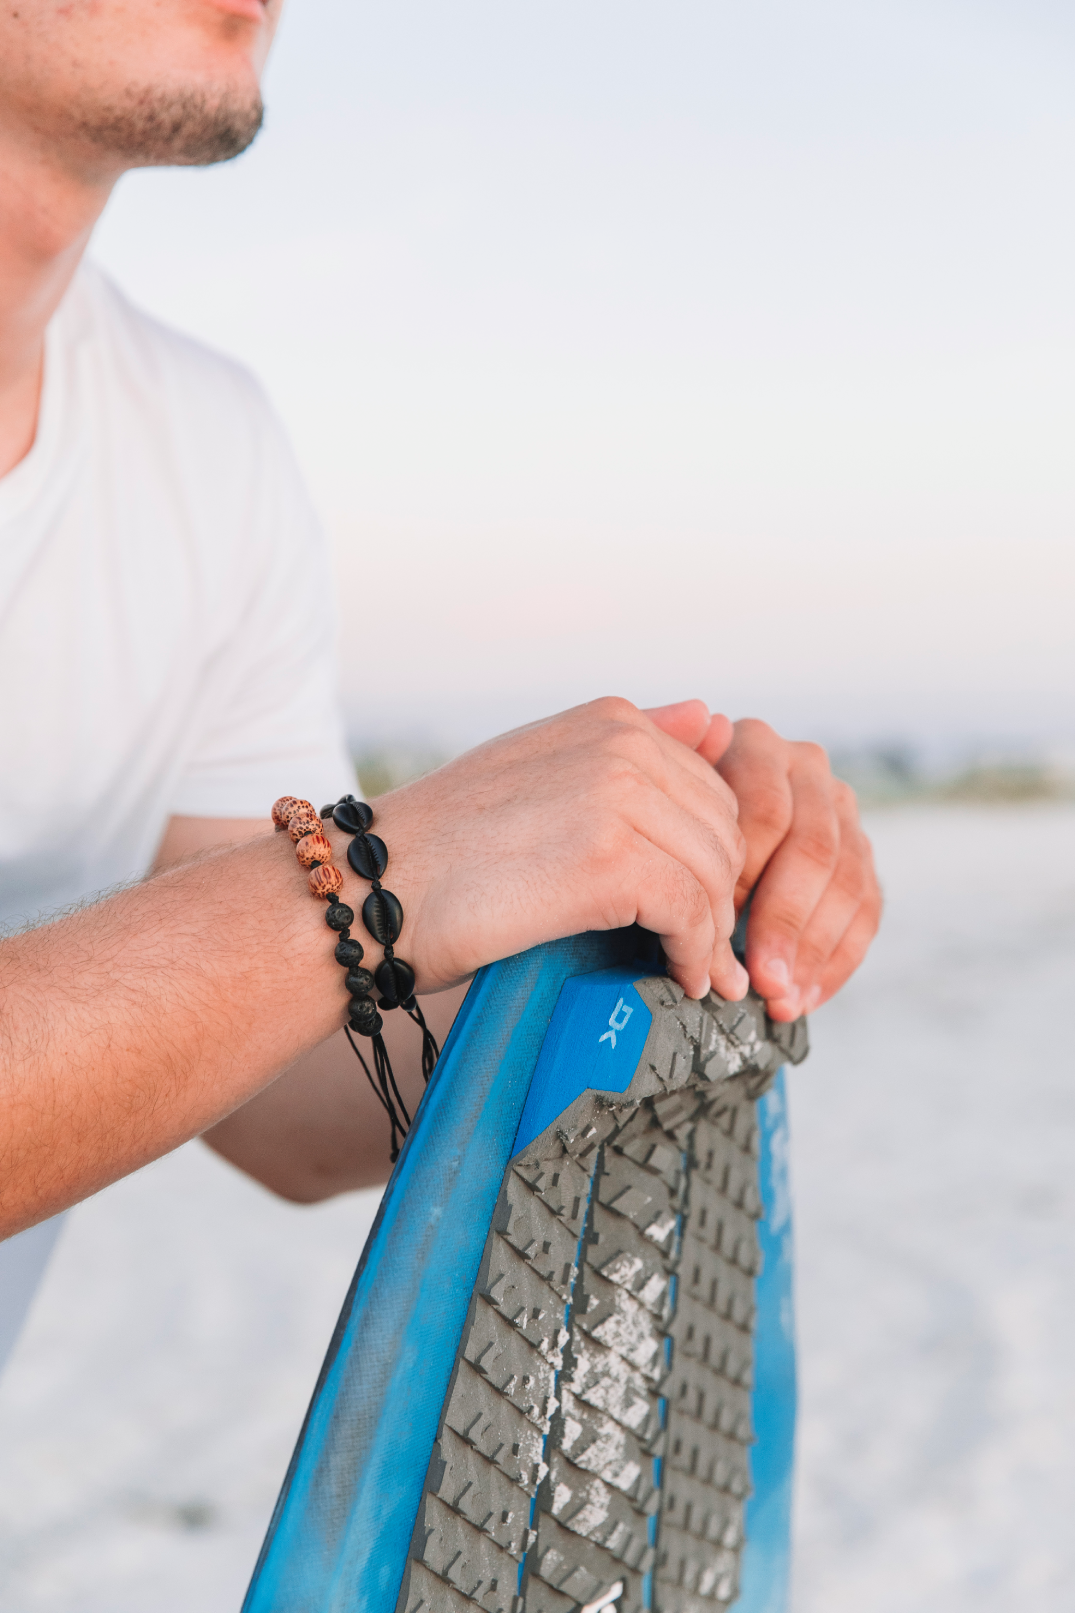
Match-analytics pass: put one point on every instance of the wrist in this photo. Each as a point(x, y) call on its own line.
point(404, 878)
point(319, 837)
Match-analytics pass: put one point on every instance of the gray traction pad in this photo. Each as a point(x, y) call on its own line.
point(597, 1425)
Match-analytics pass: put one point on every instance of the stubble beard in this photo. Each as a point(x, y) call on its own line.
point(165, 127)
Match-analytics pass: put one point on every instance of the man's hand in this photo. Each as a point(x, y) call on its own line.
point(817, 903)
point(591, 820)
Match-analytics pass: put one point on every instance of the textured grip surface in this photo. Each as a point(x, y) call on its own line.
point(595, 1435)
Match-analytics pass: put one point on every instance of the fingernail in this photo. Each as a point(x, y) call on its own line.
point(811, 1000)
point(779, 1012)
point(742, 979)
point(777, 969)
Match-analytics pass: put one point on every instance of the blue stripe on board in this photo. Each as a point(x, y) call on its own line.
point(766, 1572)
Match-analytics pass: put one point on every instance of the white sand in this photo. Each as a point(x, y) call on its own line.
point(149, 1410)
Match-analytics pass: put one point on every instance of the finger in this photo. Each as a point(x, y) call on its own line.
point(689, 722)
point(665, 792)
point(718, 738)
point(828, 924)
point(851, 951)
point(726, 974)
point(674, 767)
point(686, 721)
point(663, 896)
point(796, 877)
point(661, 798)
point(834, 914)
point(693, 816)
point(710, 849)
point(756, 766)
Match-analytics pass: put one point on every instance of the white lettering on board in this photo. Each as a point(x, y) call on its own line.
point(618, 1022)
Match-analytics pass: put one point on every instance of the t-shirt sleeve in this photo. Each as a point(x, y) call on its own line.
point(269, 721)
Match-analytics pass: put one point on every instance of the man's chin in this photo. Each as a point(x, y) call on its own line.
point(179, 126)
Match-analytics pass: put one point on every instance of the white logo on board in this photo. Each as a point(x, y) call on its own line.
point(618, 1022)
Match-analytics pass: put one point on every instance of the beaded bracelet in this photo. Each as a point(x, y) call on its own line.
point(382, 915)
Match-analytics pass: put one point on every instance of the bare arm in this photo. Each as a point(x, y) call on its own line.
point(318, 1130)
point(135, 1024)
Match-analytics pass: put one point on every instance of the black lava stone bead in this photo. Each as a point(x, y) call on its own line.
point(367, 1025)
point(339, 916)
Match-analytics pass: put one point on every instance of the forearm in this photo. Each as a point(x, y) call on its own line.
point(136, 1023)
point(319, 1130)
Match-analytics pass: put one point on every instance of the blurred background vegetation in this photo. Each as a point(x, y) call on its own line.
point(881, 775)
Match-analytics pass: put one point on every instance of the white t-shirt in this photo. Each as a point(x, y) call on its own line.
point(166, 616)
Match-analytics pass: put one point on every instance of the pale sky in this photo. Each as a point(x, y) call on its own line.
point(664, 350)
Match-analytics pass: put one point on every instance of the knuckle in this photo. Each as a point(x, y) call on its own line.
point(611, 847)
point(871, 890)
point(619, 774)
point(809, 957)
point(856, 883)
point(813, 755)
point(819, 844)
point(727, 848)
point(786, 926)
point(693, 901)
point(771, 810)
point(845, 798)
point(757, 732)
point(683, 894)
point(615, 711)
point(640, 744)
point(852, 874)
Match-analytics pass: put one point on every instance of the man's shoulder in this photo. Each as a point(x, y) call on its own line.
point(165, 369)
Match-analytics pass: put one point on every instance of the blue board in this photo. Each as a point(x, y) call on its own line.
point(340, 1533)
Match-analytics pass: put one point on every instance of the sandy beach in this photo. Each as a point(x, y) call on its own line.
point(149, 1410)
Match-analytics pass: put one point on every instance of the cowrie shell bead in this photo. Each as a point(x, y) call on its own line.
point(353, 817)
point(368, 856)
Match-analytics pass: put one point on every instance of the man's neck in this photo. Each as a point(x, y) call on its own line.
point(46, 217)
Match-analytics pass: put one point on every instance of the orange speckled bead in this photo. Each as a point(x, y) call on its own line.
point(326, 880)
point(303, 821)
point(312, 849)
point(282, 809)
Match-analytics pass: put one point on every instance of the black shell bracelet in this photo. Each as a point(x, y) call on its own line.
point(382, 915)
